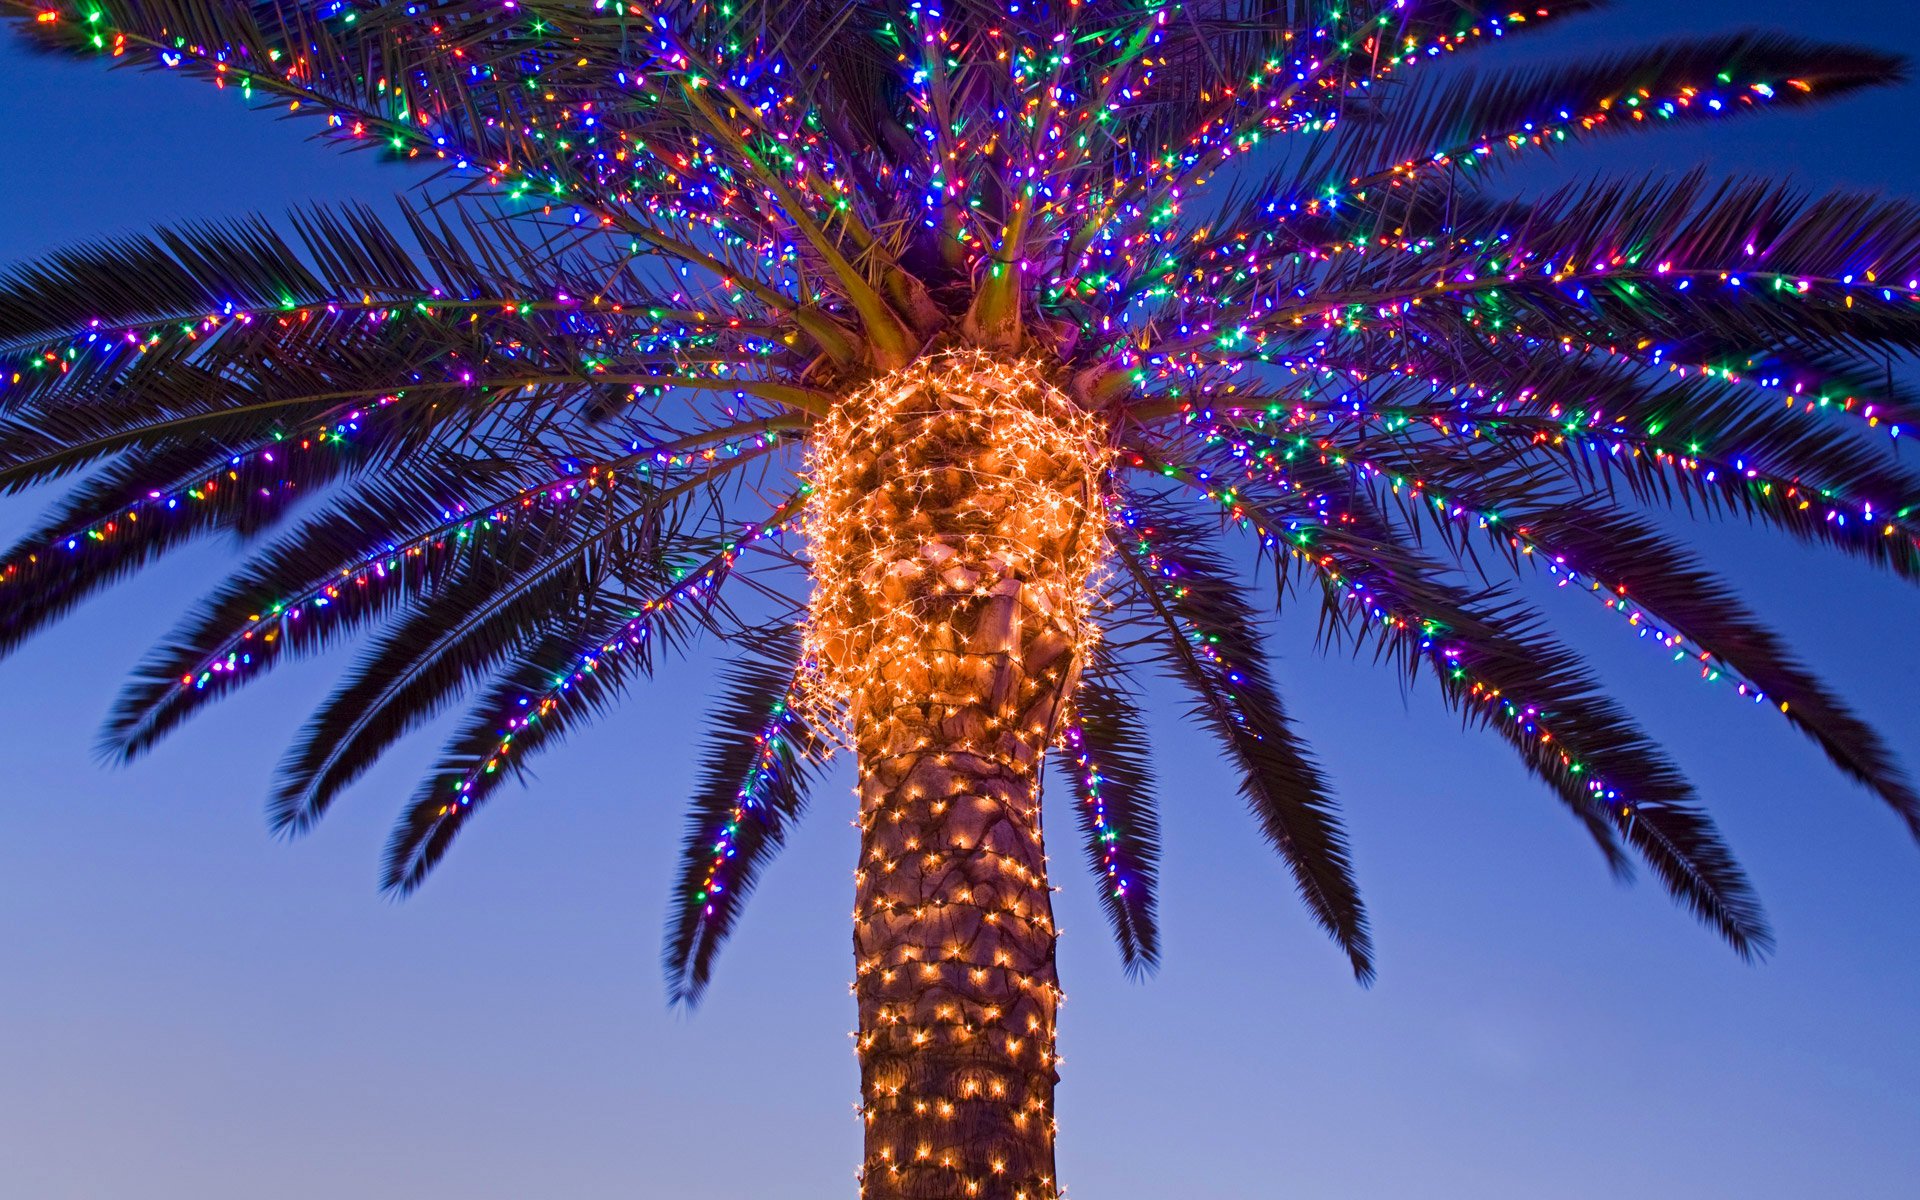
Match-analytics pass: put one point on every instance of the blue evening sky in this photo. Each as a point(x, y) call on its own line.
point(190, 1010)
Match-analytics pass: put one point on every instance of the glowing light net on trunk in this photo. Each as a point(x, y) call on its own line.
point(958, 510)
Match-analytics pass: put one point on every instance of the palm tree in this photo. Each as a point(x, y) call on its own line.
point(999, 324)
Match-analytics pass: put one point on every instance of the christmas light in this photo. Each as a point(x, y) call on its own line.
point(1009, 339)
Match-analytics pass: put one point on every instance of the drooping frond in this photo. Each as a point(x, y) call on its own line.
point(1212, 646)
point(1579, 743)
point(389, 539)
point(1495, 667)
point(761, 759)
point(1109, 767)
point(563, 681)
point(450, 638)
point(1702, 609)
point(1613, 554)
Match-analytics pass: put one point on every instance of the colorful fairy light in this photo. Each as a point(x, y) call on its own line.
point(1012, 309)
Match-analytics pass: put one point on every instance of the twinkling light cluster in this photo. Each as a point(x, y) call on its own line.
point(964, 483)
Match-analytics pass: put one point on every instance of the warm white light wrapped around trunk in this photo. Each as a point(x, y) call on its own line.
point(965, 481)
point(956, 533)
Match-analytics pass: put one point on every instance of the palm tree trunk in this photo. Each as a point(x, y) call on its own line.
point(954, 950)
point(956, 525)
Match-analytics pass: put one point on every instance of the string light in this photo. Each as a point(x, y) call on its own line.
point(1002, 322)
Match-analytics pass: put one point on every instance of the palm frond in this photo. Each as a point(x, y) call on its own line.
point(1110, 770)
point(1471, 119)
point(762, 757)
point(446, 641)
point(387, 539)
point(1705, 610)
point(562, 682)
point(1497, 668)
point(1633, 564)
point(150, 499)
point(1212, 647)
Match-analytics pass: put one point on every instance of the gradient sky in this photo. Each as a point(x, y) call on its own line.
point(190, 1010)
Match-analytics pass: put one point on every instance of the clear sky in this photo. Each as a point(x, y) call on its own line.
point(190, 1010)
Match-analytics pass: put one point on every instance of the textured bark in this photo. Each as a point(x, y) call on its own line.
point(954, 945)
point(955, 515)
